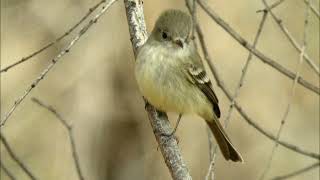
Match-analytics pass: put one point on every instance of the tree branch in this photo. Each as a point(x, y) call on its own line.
point(24, 59)
point(192, 8)
point(298, 172)
point(158, 120)
point(313, 9)
point(6, 171)
point(249, 47)
point(55, 60)
point(244, 73)
point(274, 5)
point(291, 39)
point(245, 116)
point(69, 129)
point(283, 120)
point(15, 157)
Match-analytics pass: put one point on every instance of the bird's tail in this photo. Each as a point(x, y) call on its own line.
point(225, 145)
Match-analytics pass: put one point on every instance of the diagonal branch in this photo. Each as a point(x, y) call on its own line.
point(24, 59)
point(7, 171)
point(244, 73)
point(69, 128)
point(283, 120)
point(203, 4)
point(55, 60)
point(192, 8)
point(272, 6)
point(291, 39)
point(158, 120)
point(297, 172)
point(15, 157)
point(245, 116)
point(313, 9)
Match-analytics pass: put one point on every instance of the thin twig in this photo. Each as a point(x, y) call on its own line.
point(212, 148)
point(313, 9)
point(193, 12)
point(7, 171)
point(240, 83)
point(203, 4)
point(291, 39)
point(274, 5)
point(69, 129)
point(55, 60)
point(192, 8)
point(212, 156)
point(297, 172)
point(158, 120)
point(15, 157)
point(24, 59)
point(283, 120)
point(245, 116)
point(244, 73)
point(245, 68)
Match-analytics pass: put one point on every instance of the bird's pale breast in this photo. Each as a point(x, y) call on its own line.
point(162, 82)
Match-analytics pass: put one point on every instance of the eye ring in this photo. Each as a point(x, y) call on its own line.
point(164, 35)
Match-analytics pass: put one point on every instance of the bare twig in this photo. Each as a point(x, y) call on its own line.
point(274, 5)
point(7, 171)
point(297, 172)
point(246, 66)
point(245, 116)
point(69, 129)
point(15, 157)
point(192, 8)
point(193, 11)
point(212, 156)
point(214, 149)
point(291, 39)
point(55, 60)
point(158, 120)
point(203, 4)
point(244, 72)
point(24, 59)
point(313, 9)
point(283, 120)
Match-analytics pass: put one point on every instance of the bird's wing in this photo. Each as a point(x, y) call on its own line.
point(198, 76)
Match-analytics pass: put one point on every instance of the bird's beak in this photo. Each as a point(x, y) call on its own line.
point(178, 42)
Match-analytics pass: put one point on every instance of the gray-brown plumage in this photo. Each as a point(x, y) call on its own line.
point(171, 76)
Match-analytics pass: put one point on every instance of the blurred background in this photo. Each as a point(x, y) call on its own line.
point(93, 87)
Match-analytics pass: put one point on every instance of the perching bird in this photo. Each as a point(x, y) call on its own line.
point(171, 76)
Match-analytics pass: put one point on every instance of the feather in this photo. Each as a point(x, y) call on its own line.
point(200, 78)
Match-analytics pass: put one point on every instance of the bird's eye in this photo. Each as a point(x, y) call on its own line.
point(164, 35)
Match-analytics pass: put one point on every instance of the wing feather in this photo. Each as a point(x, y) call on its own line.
point(199, 77)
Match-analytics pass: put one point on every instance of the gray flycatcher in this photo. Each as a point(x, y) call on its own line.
point(171, 76)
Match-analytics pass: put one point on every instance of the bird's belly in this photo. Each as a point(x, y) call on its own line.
point(160, 93)
point(170, 92)
point(165, 86)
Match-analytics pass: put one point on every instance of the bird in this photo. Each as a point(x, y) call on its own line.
point(171, 76)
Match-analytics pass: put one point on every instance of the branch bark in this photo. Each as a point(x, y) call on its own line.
point(158, 120)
